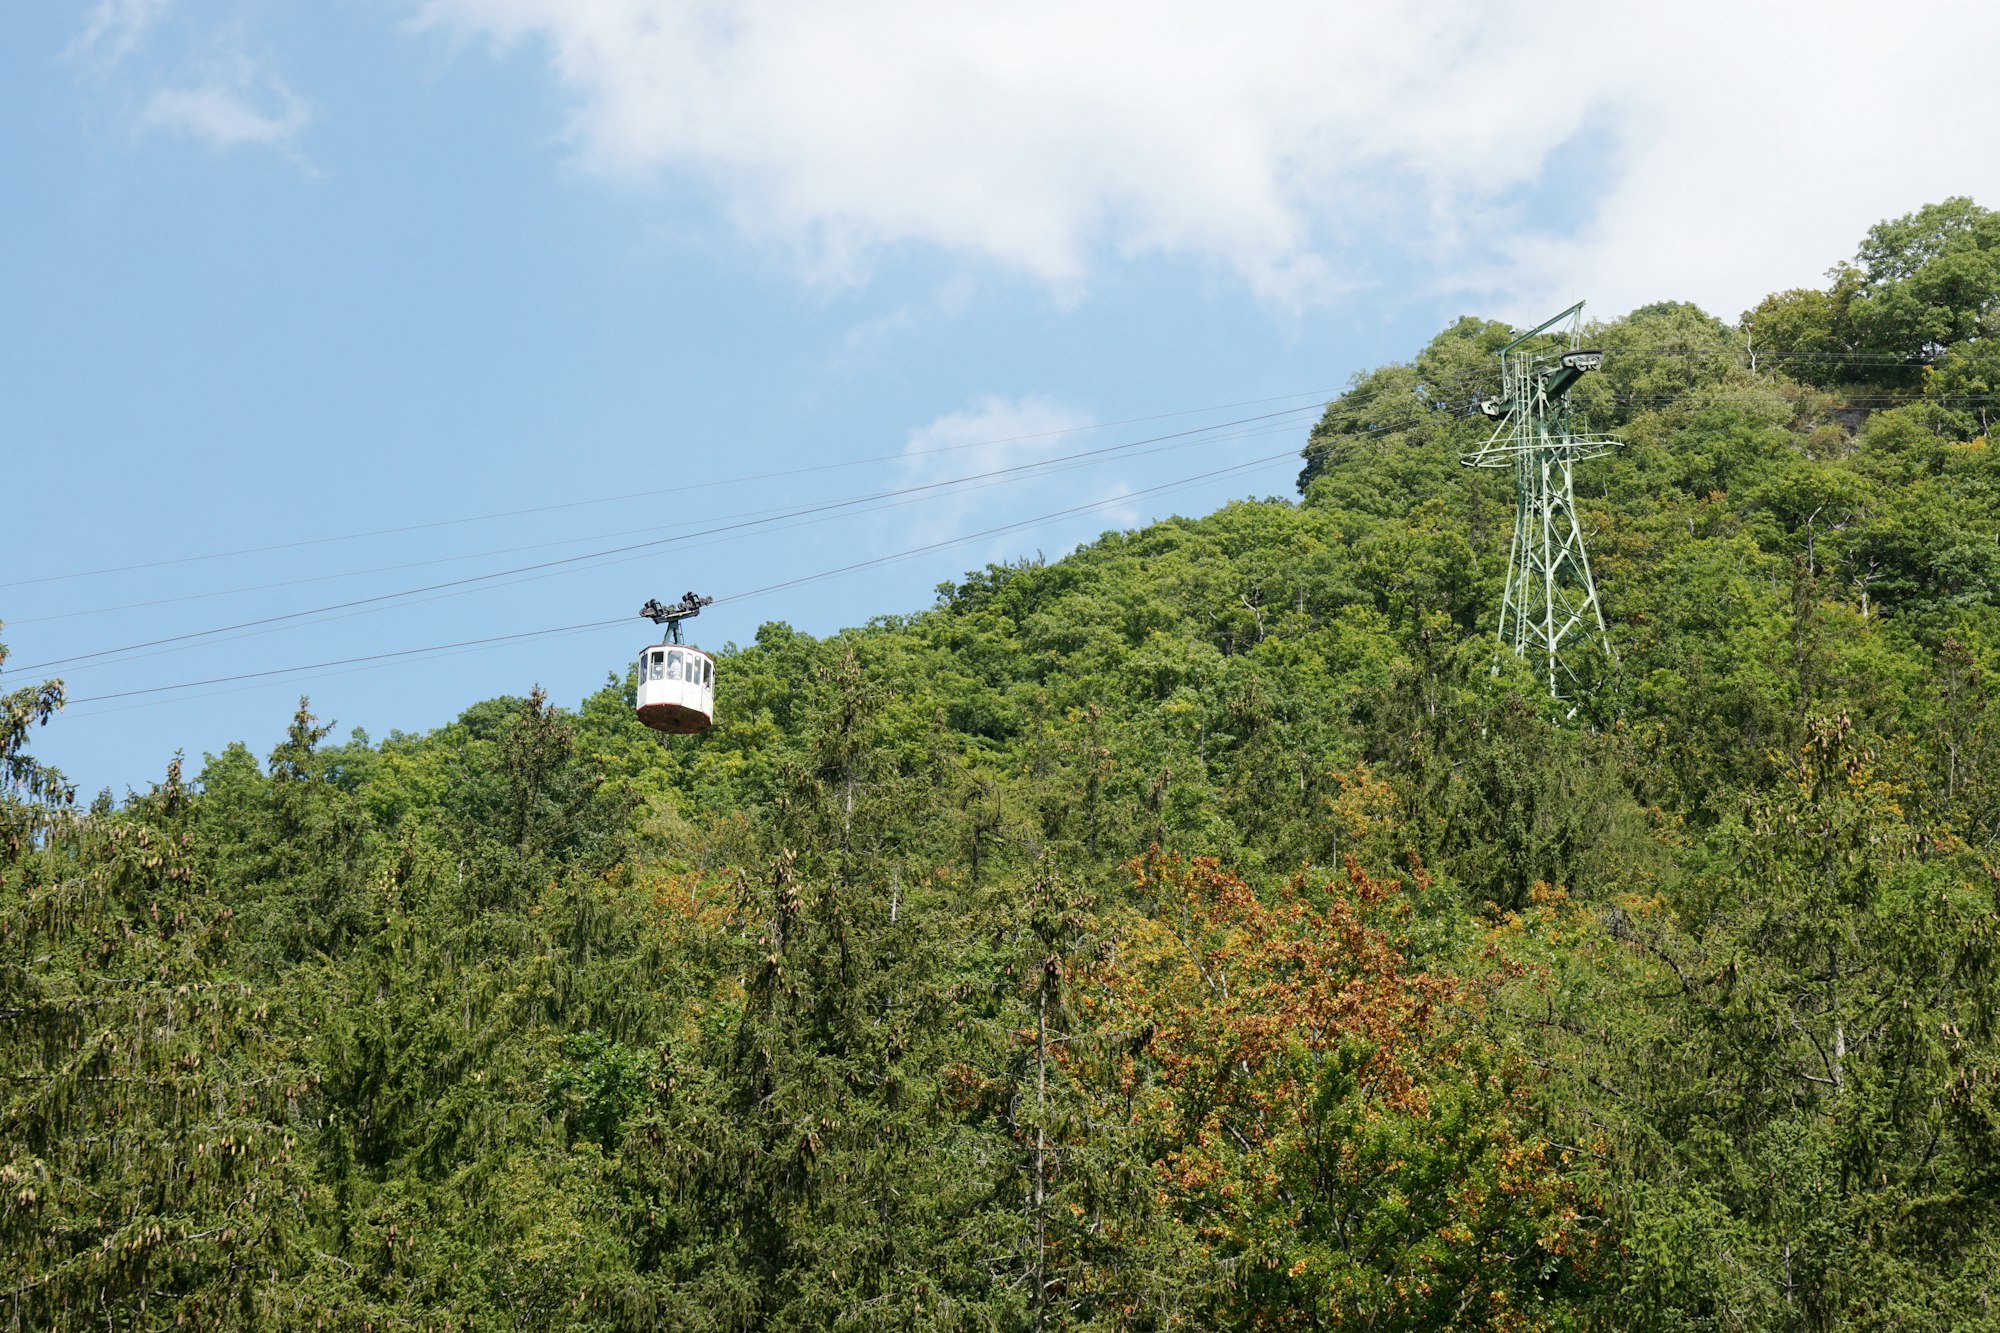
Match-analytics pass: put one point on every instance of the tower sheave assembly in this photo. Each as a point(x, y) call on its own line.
point(1551, 600)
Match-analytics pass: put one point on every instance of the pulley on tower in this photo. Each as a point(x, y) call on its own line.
point(676, 682)
point(1550, 601)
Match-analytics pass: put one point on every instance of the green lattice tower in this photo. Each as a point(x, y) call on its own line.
point(1550, 604)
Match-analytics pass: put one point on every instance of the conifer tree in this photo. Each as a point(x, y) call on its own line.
point(152, 1176)
point(29, 789)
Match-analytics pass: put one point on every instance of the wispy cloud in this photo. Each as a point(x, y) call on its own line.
point(990, 435)
point(235, 101)
point(219, 93)
point(877, 334)
point(225, 115)
point(115, 29)
point(1282, 138)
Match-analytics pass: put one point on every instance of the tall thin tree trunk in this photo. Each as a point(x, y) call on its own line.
point(1041, 1151)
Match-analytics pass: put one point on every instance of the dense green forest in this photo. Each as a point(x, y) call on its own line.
point(1207, 929)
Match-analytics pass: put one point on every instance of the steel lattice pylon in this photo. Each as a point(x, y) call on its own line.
point(1551, 599)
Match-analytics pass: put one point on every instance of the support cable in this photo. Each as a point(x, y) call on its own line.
point(1318, 397)
point(746, 595)
point(826, 507)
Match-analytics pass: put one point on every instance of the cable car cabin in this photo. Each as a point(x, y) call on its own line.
point(676, 689)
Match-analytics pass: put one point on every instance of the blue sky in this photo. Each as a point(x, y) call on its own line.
point(277, 275)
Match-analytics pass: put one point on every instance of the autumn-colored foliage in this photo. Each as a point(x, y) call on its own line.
point(1328, 1121)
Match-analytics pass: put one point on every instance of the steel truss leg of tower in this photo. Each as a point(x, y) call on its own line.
point(1551, 596)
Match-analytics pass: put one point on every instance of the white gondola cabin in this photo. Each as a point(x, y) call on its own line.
point(676, 688)
point(676, 682)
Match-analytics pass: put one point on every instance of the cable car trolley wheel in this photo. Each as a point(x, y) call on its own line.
point(676, 682)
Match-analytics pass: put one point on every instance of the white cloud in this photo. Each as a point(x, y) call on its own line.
point(989, 436)
point(1738, 147)
point(875, 336)
point(1754, 146)
point(237, 107)
point(225, 97)
point(115, 28)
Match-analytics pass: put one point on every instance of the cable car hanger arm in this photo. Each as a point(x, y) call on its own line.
point(673, 613)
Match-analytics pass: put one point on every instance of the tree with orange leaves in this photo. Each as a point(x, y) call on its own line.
point(1334, 1140)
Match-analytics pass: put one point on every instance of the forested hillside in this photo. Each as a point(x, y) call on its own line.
point(1208, 929)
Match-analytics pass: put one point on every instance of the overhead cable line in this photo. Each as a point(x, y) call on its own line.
point(210, 595)
point(438, 656)
point(775, 512)
point(570, 560)
point(1318, 397)
point(623, 558)
point(803, 579)
point(746, 595)
point(1351, 399)
point(1037, 468)
point(348, 661)
point(1863, 357)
